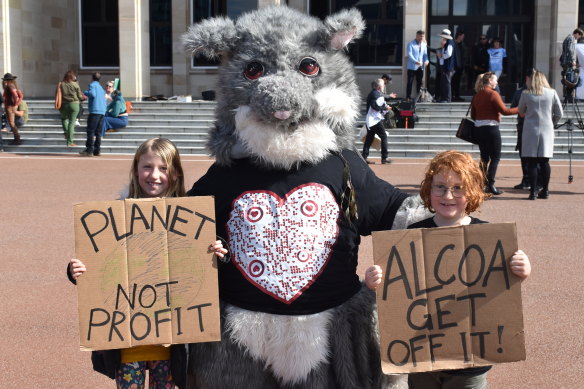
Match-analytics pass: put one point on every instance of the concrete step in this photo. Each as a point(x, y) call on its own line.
point(188, 125)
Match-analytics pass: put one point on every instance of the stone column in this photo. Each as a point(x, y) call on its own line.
point(181, 62)
point(134, 48)
point(414, 19)
point(554, 21)
point(12, 40)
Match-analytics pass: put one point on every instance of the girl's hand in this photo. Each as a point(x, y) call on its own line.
point(373, 277)
point(520, 265)
point(76, 267)
point(217, 248)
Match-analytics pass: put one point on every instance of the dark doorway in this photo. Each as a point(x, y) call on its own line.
point(511, 22)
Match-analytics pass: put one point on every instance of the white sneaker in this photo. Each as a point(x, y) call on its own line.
point(77, 122)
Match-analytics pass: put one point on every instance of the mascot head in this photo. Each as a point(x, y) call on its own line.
point(286, 92)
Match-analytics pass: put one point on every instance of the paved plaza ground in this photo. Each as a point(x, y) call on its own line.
point(38, 305)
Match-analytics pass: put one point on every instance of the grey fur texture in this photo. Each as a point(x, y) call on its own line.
point(354, 364)
point(279, 38)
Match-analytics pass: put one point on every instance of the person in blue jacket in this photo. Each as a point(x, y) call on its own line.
point(417, 62)
point(96, 104)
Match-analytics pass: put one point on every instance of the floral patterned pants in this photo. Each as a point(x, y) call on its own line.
point(132, 375)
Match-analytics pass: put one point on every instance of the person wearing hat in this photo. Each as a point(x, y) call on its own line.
point(447, 64)
point(12, 99)
point(417, 51)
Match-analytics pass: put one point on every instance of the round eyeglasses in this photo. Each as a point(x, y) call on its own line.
point(440, 190)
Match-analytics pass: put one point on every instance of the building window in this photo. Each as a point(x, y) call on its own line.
point(203, 9)
point(381, 44)
point(160, 33)
point(99, 33)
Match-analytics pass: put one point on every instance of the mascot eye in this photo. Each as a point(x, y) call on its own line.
point(253, 70)
point(309, 66)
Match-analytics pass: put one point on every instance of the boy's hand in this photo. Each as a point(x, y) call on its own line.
point(373, 277)
point(520, 265)
point(76, 268)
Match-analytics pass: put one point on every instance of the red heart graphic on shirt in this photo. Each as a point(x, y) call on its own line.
point(282, 245)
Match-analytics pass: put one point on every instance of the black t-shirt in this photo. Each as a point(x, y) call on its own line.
point(429, 223)
point(292, 249)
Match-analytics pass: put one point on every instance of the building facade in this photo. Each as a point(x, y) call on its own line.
point(138, 41)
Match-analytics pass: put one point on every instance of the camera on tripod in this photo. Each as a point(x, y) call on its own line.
point(571, 81)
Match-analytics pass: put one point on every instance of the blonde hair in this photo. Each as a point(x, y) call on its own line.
point(537, 82)
point(472, 176)
point(483, 80)
point(166, 150)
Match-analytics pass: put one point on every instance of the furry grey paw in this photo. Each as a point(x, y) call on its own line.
point(411, 211)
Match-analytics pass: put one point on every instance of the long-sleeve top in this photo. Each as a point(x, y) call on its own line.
point(417, 52)
point(117, 107)
point(12, 97)
point(71, 92)
point(376, 108)
point(488, 105)
point(95, 98)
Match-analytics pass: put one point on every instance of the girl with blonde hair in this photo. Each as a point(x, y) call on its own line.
point(156, 172)
point(542, 109)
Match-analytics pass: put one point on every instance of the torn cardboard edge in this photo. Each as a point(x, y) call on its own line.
point(449, 300)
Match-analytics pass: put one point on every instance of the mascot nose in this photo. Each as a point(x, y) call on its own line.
point(282, 115)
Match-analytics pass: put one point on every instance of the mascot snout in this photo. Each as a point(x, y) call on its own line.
point(281, 97)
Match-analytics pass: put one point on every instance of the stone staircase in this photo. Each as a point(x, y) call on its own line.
point(187, 124)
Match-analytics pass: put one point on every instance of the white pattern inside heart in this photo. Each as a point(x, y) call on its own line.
point(282, 245)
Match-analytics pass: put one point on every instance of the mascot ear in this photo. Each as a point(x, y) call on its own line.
point(343, 27)
point(211, 37)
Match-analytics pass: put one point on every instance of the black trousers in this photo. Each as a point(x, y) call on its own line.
point(489, 138)
point(539, 168)
point(456, 82)
point(445, 88)
point(371, 131)
point(417, 74)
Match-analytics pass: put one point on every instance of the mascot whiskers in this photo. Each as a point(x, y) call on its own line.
point(292, 198)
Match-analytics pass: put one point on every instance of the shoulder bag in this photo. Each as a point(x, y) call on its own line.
point(466, 128)
point(58, 96)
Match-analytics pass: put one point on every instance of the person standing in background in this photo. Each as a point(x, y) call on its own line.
point(486, 110)
point(12, 98)
point(96, 105)
point(542, 109)
point(417, 61)
point(497, 54)
point(460, 60)
point(479, 59)
point(447, 64)
point(70, 97)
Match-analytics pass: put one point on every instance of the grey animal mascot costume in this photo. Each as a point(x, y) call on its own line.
point(292, 197)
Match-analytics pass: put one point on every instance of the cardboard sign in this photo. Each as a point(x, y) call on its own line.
point(448, 299)
point(149, 278)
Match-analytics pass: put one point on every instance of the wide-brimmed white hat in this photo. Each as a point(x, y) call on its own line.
point(446, 34)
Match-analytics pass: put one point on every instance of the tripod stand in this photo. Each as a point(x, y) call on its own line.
point(570, 101)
